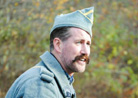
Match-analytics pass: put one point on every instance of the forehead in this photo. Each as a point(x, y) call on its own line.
point(78, 33)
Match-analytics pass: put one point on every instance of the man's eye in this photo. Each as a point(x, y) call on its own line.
point(88, 44)
point(78, 42)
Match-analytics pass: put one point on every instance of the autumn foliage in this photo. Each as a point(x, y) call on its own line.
point(113, 69)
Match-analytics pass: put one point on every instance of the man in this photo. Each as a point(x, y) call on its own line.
point(52, 77)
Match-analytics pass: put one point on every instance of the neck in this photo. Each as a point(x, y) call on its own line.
point(57, 56)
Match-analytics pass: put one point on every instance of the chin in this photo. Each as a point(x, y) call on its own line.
point(81, 70)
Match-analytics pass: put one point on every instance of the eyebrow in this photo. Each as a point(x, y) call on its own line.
point(83, 40)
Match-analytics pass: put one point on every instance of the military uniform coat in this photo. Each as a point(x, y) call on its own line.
point(45, 80)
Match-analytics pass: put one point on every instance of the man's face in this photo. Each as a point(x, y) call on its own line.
point(76, 50)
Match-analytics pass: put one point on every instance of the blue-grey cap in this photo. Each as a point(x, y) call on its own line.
point(81, 19)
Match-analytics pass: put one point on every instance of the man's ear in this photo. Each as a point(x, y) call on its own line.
point(57, 44)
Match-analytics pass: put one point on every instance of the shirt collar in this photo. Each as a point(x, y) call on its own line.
point(70, 78)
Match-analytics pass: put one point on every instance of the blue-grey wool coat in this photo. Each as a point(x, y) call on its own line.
point(45, 80)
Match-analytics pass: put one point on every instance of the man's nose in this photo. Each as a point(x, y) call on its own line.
point(85, 49)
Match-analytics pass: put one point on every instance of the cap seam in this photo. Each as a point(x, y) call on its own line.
point(85, 16)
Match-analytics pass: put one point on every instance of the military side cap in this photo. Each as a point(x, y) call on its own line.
point(81, 19)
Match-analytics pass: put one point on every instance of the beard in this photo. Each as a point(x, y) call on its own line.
point(73, 66)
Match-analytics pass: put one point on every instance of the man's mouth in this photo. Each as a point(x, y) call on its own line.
point(83, 58)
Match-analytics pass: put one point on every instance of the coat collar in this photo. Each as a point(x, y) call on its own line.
point(54, 66)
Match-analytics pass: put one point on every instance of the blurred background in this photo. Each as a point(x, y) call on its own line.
point(113, 69)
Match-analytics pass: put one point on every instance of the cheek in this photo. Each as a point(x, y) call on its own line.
point(71, 49)
point(89, 51)
point(71, 52)
point(74, 49)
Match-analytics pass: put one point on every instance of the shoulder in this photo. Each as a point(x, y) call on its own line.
point(44, 73)
point(40, 72)
point(40, 84)
point(39, 87)
point(36, 80)
point(37, 74)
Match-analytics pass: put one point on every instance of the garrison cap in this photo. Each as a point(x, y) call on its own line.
point(81, 19)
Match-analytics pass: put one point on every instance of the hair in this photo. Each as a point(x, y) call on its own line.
point(61, 33)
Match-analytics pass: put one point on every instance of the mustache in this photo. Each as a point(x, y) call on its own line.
point(83, 56)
